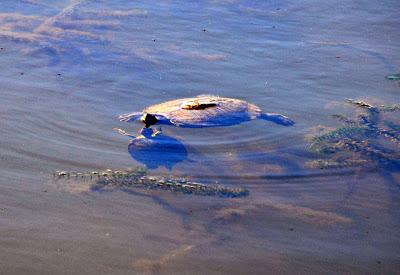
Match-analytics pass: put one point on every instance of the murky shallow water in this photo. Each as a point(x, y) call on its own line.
point(69, 68)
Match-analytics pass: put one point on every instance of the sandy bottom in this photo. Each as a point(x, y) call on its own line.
point(337, 225)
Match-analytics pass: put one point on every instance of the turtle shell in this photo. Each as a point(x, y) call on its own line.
point(206, 111)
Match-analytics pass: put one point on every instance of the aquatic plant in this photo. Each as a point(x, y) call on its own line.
point(362, 141)
point(138, 178)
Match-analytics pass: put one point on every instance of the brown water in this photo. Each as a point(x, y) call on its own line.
point(69, 68)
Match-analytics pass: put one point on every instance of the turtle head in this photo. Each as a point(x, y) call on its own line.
point(149, 119)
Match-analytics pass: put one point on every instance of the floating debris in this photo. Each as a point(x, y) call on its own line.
point(394, 77)
point(125, 180)
point(380, 108)
point(360, 103)
point(361, 139)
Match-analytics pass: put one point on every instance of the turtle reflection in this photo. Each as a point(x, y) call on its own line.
point(154, 149)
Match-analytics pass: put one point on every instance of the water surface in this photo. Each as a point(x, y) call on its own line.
point(69, 68)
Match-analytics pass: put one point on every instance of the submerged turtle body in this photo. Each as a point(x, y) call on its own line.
point(154, 149)
point(203, 111)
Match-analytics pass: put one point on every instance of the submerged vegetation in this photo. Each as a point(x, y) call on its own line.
point(138, 178)
point(368, 140)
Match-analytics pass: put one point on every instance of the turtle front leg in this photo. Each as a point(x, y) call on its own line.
point(124, 133)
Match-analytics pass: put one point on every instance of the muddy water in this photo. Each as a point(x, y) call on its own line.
point(69, 68)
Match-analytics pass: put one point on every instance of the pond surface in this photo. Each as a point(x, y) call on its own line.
point(69, 68)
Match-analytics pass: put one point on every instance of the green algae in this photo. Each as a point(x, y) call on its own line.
point(100, 174)
point(326, 143)
point(138, 178)
point(359, 141)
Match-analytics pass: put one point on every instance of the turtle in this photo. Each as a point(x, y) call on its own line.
point(203, 111)
point(155, 149)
